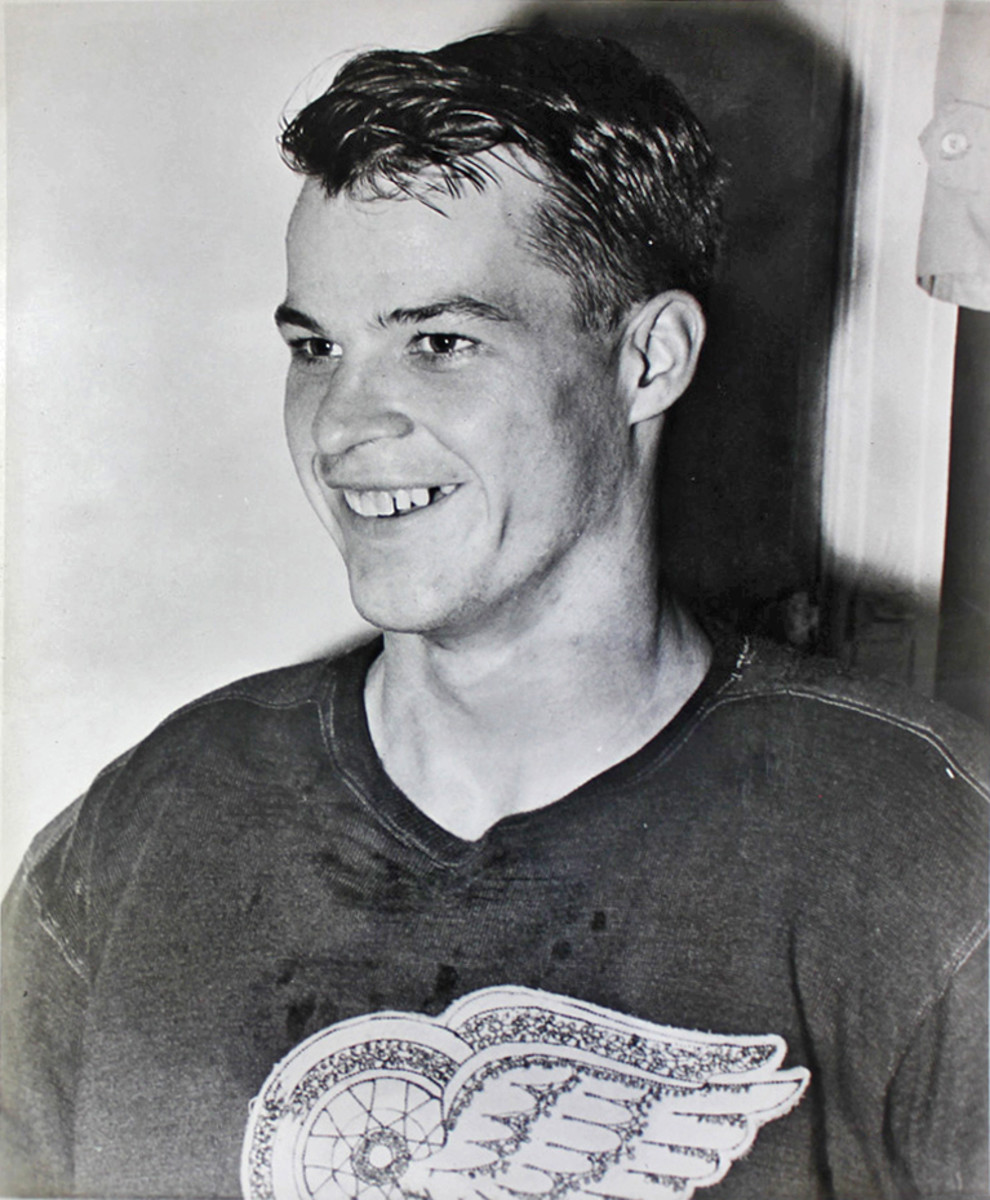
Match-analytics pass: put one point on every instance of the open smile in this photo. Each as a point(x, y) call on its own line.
point(398, 502)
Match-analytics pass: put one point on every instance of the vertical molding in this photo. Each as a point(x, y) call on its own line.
point(889, 388)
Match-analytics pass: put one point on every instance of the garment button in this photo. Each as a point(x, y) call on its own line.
point(954, 144)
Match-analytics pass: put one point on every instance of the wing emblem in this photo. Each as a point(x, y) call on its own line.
point(511, 1094)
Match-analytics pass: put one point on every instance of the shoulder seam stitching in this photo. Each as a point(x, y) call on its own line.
point(867, 710)
point(51, 927)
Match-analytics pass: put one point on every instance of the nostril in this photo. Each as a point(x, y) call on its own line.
point(323, 467)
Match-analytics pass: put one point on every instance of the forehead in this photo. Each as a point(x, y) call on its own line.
point(349, 250)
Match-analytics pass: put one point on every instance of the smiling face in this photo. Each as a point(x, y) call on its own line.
point(456, 431)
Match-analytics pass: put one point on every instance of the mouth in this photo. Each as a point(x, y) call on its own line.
point(398, 502)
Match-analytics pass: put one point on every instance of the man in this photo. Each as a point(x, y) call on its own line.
point(551, 892)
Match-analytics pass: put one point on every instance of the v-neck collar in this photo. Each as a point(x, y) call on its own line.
point(348, 742)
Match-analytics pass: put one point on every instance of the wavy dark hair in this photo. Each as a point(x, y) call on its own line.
point(633, 199)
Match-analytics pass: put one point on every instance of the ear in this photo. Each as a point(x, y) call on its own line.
point(659, 353)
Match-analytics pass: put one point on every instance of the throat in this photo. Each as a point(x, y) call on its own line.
point(515, 742)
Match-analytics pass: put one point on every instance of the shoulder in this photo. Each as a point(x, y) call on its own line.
point(280, 689)
point(264, 729)
point(874, 801)
point(247, 713)
point(801, 696)
point(256, 719)
point(284, 687)
point(860, 781)
point(271, 704)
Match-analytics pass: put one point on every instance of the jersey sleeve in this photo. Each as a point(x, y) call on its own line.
point(45, 990)
point(938, 1111)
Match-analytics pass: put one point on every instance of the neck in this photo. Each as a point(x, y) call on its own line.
point(474, 729)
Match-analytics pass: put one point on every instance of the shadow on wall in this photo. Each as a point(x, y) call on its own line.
point(740, 488)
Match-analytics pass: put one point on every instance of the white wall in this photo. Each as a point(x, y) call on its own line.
point(158, 544)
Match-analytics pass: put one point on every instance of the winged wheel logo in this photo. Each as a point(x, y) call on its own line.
point(511, 1094)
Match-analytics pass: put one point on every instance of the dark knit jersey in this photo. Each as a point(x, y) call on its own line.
point(797, 855)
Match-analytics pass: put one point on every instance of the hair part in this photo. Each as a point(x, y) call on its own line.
point(632, 204)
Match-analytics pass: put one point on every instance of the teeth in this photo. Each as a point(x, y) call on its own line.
point(383, 503)
point(374, 502)
point(366, 503)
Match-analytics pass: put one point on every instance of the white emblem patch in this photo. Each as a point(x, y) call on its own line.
point(511, 1091)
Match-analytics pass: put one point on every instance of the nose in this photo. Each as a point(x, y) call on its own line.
point(357, 406)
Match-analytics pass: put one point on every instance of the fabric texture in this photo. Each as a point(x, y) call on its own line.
point(797, 854)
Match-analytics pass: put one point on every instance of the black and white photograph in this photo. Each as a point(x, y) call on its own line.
point(496, 600)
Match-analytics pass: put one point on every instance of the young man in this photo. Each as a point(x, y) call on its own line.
point(549, 892)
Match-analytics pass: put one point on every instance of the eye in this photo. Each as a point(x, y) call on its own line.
point(442, 345)
point(313, 349)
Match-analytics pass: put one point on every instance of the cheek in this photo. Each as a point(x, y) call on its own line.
point(298, 416)
point(299, 413)
point(590, 430)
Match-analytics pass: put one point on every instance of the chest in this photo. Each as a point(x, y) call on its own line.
point(221, 963)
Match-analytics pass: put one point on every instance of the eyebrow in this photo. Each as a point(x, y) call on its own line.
point(468, 306)
point(465, 306)
point(285, 314)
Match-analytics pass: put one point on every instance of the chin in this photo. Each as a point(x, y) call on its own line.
point(401, 607)
point(397, 609)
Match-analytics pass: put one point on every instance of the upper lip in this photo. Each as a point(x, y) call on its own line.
point(390, 487)
point(366, 482)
